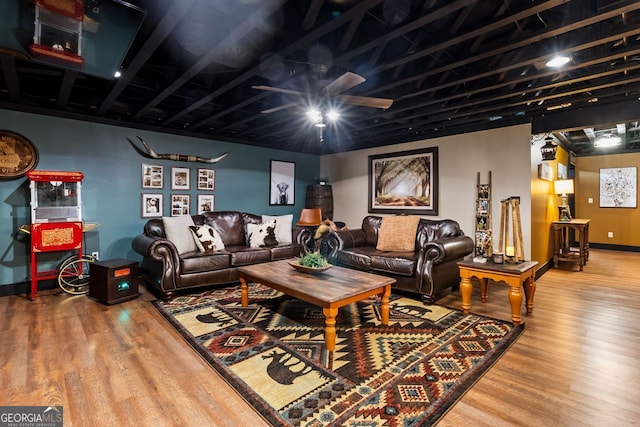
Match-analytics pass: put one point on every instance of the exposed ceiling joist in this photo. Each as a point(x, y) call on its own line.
point(447, 65)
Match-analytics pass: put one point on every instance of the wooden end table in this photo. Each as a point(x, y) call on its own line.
point(562, 250)
point(514, 275)
point(330, 290)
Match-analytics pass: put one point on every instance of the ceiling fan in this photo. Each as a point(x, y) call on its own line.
point(333, 90)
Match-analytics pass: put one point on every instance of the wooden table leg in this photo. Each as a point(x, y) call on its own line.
point(330, 327)
point(483, 289)
point(529, 291)
point(465, 292)
point(244, 292)
point(515, 299)
point(384, 305)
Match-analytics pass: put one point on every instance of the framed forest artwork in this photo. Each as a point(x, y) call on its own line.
point(404, 182)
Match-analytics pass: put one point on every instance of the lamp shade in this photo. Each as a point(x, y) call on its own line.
point(563, 186)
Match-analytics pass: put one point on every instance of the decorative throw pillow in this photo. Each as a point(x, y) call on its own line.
point(283, 226)
point(176, 228)
point(261, 235)
point(207, 238)
point(398, 233)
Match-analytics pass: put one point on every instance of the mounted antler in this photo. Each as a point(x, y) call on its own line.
point(181, 157)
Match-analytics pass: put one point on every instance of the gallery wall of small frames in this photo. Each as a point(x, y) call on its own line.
point(179, 197)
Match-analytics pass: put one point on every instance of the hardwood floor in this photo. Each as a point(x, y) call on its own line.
point(576, 364)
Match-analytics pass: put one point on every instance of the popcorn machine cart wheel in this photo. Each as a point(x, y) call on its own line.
point(73, 277)
point(56, 225)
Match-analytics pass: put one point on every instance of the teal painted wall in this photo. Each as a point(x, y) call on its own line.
point(112, 187)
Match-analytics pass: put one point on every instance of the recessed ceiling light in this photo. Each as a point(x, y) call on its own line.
point(558, 61)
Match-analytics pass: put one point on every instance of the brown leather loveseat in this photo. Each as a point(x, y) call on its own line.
point(167, 270)
point(427, 270)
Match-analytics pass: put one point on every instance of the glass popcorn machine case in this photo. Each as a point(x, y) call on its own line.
point(55, 196)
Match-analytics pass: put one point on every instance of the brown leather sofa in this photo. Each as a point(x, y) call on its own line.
point(427, 271)
point(167, 271)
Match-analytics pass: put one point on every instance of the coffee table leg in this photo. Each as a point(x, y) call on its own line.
point(330, 327)
point(244, 292)
point(384, 305)
point(465, 292)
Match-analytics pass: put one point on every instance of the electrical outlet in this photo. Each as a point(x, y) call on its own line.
point(610, 234)
point(590, 200)
point(96, 255)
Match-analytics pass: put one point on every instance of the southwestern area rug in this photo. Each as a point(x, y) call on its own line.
point(272, 352)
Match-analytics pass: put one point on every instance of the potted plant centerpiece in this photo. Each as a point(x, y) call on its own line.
point(312, 262)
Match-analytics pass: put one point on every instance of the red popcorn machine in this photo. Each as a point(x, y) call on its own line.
point(56, 225)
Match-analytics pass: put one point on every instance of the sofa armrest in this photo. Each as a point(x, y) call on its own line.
point(441, 250)
point(158, 249)
point(343, 239)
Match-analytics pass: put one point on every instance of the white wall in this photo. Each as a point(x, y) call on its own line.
point(505, 152)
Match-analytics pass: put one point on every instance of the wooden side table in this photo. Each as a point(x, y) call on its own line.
point(562, 250)
point(514, 275)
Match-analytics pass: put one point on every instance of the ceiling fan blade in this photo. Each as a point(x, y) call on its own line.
point(344, 82)
point(279, 89)
point(366, 101)
point(281, 107)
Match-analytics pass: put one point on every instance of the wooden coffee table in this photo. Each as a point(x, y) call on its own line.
point(330, 290)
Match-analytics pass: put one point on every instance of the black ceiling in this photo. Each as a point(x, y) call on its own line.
point(450, 66)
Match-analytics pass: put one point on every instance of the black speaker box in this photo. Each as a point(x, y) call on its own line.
point(113, 281)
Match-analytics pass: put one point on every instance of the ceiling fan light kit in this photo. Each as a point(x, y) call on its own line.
point(333, 115)
point(332, 90)
point(314, 115)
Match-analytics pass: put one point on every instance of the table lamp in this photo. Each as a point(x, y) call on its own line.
point(564, 187)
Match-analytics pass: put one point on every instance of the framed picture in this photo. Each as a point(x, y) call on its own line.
point(180, 204)
point(618, 187)
point(152, 176)
point(180, 178)
point(206, 179)
point(484, 191)
point(151, 205)
point(562, 171)
point(19, 155)
point(545, 172)
point(483, 206)
point(282, 179)
point(404, 182)
point(206, 203)
point(481, 222)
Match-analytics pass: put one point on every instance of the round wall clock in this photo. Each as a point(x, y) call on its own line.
point(17, 155)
